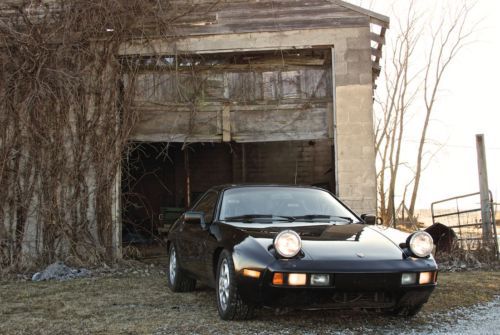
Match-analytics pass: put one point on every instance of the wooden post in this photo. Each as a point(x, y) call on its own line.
point(243, 163)
point(187, 194)
point(483, 188)
point(226, 123)
point(333, 125)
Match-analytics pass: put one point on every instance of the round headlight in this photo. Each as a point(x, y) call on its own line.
point(287, 243)
point(420, 244)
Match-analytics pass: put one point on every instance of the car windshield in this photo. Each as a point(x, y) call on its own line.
point(262, 203)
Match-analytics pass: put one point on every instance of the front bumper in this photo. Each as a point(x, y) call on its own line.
point(365, 284)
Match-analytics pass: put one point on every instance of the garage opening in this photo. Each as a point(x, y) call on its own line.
point(160, 180)
point(252, 117)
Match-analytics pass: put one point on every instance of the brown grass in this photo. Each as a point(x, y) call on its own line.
point(463, 289)
point(138, 304)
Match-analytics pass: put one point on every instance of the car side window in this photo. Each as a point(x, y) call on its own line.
point(207, 205)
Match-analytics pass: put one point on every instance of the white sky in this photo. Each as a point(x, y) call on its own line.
point(468, 104)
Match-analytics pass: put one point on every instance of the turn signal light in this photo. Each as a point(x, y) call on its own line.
point(251, 273)
point(426, 278)
point(278, 278)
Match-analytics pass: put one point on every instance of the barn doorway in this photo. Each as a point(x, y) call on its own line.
point(265, 116)
point(160, 180)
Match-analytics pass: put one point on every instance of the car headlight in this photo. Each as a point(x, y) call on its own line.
point(287, 243)
point(420, 244)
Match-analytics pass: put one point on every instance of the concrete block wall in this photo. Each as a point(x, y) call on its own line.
point(354, 108)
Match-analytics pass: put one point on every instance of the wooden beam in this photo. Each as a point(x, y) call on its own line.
point(379, 47)
point(377, 38)
point(187, 171)
point(243, 163)
point(378, 22)
point(377, 53)
point(379, 19)
point(226, 123)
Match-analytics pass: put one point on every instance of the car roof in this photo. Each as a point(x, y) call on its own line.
point(241, 185)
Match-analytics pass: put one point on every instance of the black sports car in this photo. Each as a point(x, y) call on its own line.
point(298, 248)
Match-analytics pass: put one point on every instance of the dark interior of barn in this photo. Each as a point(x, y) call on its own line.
point(160, 179)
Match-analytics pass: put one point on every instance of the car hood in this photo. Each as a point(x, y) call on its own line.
point(322, 241)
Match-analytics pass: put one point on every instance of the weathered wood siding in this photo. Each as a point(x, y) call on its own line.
point(268, 99)
point(212, 17)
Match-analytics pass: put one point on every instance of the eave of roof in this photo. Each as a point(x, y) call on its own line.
point(376, 18)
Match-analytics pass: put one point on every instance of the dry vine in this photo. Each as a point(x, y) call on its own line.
point(64, 122)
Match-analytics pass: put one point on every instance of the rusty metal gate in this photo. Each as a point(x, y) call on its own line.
point(463, 215)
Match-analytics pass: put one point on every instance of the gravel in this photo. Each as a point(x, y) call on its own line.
point(59, 271)
point(480, 319)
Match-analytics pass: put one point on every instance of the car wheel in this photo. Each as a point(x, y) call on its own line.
point(229, 302)
point(176, 278)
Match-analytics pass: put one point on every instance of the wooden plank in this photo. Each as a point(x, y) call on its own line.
point(264, 122)
point(159, 124)
point(376, 52)
point(266, 26)
point(377, 38)
point(281, 136)
point(301, 12)
point(226, 123)
point(378, 22)
point(380, 46)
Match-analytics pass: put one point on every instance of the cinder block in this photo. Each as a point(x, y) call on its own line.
point(352, 55)
point(340, 68)
point(358, 43)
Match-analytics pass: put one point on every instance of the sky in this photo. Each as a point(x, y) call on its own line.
point(468, 105)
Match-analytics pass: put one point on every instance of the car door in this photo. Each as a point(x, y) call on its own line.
point(194, 237)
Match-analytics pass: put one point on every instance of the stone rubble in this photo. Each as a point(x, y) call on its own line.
point(61, 272)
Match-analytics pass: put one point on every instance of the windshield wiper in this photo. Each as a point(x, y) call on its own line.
point(323, 217)
point(252, 217)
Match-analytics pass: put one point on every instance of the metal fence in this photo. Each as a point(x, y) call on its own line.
point(463, 215)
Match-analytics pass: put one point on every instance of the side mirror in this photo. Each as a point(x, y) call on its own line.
point(192, 217)
point(369, 219)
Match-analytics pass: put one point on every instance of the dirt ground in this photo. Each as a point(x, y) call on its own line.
point(137, 301)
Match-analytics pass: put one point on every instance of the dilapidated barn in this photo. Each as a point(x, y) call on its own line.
point(263, 91)
point(271, 91)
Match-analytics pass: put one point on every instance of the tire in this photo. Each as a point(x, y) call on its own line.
point(229, 303)
point(176, 279)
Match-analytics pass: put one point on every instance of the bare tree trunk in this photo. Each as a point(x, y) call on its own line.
point(406, 84)
point(451, 41)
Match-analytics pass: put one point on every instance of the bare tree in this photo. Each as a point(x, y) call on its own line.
point(411, 89)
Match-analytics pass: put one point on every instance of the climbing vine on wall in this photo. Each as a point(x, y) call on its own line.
point(65, 119)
